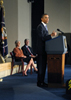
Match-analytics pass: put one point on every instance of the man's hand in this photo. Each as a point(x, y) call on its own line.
point(53, 33)
point(24, 56)
point(33, 56)
point(66, 52)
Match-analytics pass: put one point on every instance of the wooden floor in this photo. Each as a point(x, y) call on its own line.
point(5, 66)
point(5, 69)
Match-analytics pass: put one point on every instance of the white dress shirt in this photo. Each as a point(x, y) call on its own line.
point(45, 25)
point(29, 50)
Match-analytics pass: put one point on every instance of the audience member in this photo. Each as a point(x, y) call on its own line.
point(18, 53)
point(28, 51)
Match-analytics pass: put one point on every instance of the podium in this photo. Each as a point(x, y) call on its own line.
point(56, 49)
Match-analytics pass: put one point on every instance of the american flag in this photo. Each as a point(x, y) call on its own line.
point(3, 34)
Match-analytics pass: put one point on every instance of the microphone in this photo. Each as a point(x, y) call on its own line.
point(60, 31)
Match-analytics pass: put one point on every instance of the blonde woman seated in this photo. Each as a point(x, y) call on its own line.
point(18, 53)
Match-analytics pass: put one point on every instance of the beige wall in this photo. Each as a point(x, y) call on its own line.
point(24, 20)
point(59, 13)
point(11, 20)
point(18, 21)
point(18, 18)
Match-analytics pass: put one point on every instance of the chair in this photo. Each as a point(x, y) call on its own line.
point(18, 63)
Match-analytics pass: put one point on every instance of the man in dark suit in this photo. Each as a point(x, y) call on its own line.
point(42, 36)
point(28, 51)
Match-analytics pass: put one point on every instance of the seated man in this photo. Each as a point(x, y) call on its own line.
point(18, 53)
point(27, 50)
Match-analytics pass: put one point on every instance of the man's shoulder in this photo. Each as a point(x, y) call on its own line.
point(30, 47)
point(40, 26)
point(23, 47)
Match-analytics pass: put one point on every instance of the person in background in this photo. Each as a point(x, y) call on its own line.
point(28, 51)
point(18, 53)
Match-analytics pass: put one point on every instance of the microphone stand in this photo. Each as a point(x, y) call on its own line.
point(62, 33)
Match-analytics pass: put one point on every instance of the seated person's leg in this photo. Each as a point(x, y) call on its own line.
point(29, 64)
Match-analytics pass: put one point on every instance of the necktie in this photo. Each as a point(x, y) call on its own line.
point(46, 27)
point(29, 50)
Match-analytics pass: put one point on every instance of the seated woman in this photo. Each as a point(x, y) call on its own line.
point(18, 53)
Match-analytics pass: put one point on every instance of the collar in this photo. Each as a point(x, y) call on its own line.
point(26, 46)
point(43, 23)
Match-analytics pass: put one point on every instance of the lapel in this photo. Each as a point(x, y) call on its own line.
point(44, 27)
point(27, 49)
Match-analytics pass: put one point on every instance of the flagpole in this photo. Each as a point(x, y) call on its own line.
point(3, 34)
point(1, 5)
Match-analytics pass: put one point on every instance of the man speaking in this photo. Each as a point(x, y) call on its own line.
point(42, 36)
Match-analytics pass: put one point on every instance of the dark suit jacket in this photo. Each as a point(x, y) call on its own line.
point(42, 36)
point(26, 52)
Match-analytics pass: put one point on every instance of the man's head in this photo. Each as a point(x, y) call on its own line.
point(17, 43)
point(26, 41)
point(45, 18)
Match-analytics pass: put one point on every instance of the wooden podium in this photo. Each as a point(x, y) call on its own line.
point(56, 49)
point(56, 64)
